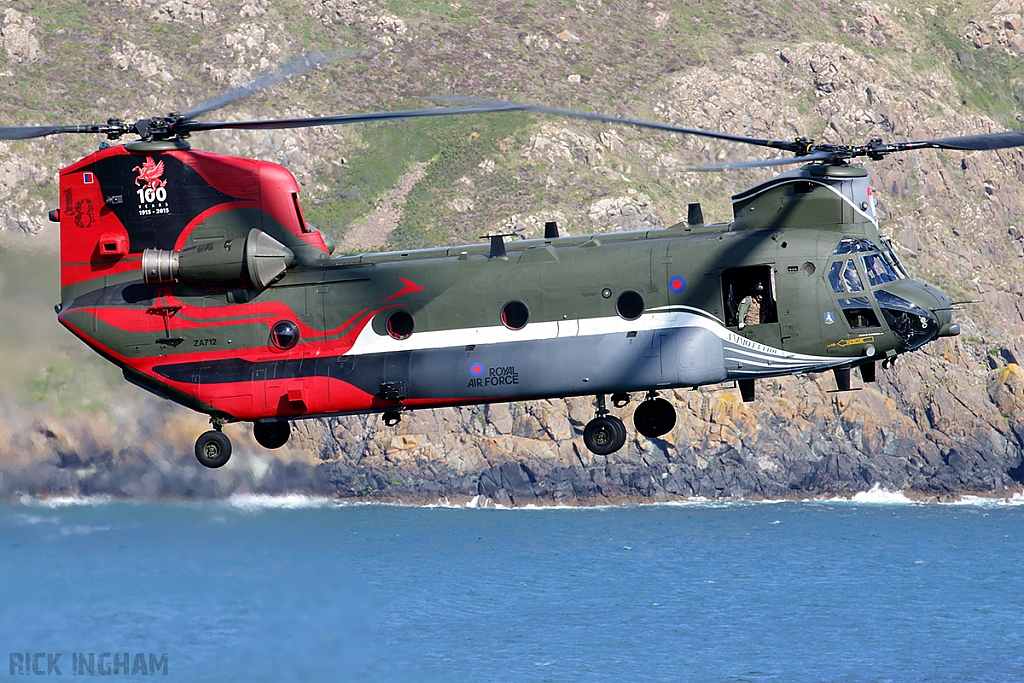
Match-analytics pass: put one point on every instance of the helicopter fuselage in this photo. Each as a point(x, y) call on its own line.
point(197, 275)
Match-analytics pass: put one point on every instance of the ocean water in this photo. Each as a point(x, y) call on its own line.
point(299, 589)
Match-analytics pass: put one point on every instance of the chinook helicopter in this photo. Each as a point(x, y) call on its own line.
point(197, 275)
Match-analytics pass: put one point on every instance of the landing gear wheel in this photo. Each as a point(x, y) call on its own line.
point(271, 434)
point(213, 449)
point(604, 435)
point(654, 417)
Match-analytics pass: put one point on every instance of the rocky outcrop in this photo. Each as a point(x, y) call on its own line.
point(629, 212)
point(186, 11)
point(1002, 30)
point(18, 33)
point(127, 55)
point(385, 28)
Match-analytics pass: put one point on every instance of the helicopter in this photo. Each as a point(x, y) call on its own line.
point(198, 276)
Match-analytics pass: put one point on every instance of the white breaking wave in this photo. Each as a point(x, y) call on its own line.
point(981, 501)
point(65, 501)
point(702, 502)
point(250, 502)
point(82, 529)
point(876, 495)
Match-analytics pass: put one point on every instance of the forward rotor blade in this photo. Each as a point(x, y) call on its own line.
point(984, 141)
point(341, 119)
point(296, 67)
point(757, 163)
point(788, 145)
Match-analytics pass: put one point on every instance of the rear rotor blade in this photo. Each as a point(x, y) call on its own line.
point(341, 119)
point(296, 67)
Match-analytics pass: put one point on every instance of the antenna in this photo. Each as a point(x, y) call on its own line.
point(497, 244)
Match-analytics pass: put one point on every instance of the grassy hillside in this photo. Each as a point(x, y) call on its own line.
point(148, 58)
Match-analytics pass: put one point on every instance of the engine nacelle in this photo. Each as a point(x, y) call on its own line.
point(259, 258)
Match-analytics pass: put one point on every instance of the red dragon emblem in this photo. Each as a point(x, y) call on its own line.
point(150, 174)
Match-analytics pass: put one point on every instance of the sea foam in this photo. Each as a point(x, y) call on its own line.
point(876, 495)
point(251, 502)
point(65, 501)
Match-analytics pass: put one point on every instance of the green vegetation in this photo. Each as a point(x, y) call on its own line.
point(370, 171)
point(42, 363)
point(989, 80)
point(460, 145)
point(77, 16)
point(70, 387)
point(453, 147)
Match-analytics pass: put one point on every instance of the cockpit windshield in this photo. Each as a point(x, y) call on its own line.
point(880, 263)
point(879, 272)
point(889, 254)
point(850, 245)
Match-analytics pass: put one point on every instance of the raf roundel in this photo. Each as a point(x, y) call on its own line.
point(476, 369)
point(676, 284)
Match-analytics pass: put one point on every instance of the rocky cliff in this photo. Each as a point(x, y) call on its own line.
point(944, 421)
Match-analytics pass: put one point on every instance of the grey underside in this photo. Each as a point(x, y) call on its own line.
point(600, 364)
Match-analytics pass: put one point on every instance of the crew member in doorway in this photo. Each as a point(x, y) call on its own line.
point(750, 308)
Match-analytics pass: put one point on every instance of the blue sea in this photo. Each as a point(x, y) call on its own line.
point(302, 589)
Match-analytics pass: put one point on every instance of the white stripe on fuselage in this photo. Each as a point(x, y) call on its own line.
point(369, 341)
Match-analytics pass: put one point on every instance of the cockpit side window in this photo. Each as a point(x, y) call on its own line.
point(852, 278)
point(844, 277)
point(858, 312)
point(835, 274)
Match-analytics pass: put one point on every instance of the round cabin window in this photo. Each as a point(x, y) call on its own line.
point(515, 315)
point(399, 325)
point(630, 305)
point(285, 334)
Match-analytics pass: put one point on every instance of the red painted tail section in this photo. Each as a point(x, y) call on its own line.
point(121, 200)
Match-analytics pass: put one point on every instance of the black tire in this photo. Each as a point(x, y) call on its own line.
point(213, 449)
point(621, 429)
point(271, 434)
point(654, 417)
point(604, 435)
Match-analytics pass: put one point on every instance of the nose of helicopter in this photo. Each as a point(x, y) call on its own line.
point(916, 312)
